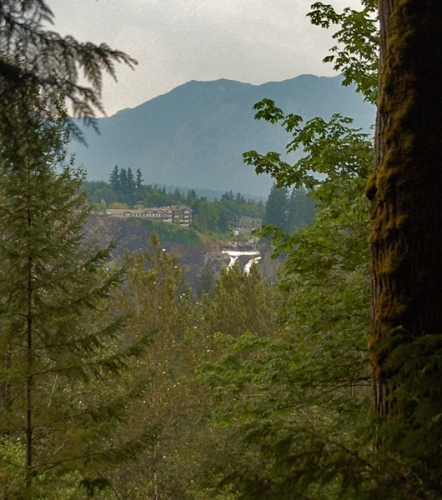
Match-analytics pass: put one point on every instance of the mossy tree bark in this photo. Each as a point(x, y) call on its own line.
point(405, 188)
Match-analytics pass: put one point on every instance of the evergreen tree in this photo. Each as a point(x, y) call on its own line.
point(240, 304)
point(191, 197)
point(201, 217)
point(124, 186)
point(114, 179)
point(277, 207)
point(300, 210)
point(32, 56)
point(240, 198)
point(227, 196)
point(54, 296)
point(205, 283)
point(138, 179)
point(176, 197)
point(223, 222)
point(130, 181)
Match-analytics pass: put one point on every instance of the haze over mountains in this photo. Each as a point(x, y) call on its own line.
point(195, 135)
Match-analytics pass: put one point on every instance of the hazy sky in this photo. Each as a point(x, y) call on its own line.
point(174, 41)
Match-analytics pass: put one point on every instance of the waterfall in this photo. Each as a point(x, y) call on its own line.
point(234, 254)
point(233, 259)
point(250, 264)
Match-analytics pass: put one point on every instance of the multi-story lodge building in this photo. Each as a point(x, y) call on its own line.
point(173, 214)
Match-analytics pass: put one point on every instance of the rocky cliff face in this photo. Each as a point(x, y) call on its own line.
point(132, 236)
point(216, 261)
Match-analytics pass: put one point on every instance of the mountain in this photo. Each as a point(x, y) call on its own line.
point(195, 135)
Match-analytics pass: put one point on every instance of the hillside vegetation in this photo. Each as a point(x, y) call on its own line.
point(215, 218)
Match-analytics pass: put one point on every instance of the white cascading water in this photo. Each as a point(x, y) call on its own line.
point(250, 264)
point(234, 254)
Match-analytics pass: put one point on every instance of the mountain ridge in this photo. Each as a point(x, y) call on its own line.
point(194, 135)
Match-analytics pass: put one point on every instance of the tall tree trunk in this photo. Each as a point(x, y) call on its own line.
point(406, 187)
point(29, 342)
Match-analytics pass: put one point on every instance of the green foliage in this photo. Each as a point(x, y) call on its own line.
point(296, 401)
point(158, 301)
point(408, 436)
point(241, 304)
point(62, 486)
point(356, 52)
point(12, 459)
point(209, 217)
point(31, 55)
point(61, 348)
point(301, 210)
point(281, 408)
point(289, 212)
point(336, 163)
point(277, 207)
point(171, 233)
point(331, 148)
point(205, 283)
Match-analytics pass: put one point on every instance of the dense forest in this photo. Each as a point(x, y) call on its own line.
point(288, 210)
point(120, 382)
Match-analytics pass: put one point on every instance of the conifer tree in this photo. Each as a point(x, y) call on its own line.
point(240, 304)
point(205, 283)
point(123, 181)
point(223, 222)
point(191, 197)
point(54, 298)
point(130, 181)
point(276, 207)
point(138, 178)
point(114, 179)
point(29, 54)
point(300, 211)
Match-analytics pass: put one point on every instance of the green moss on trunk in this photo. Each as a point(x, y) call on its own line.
point(405, 190)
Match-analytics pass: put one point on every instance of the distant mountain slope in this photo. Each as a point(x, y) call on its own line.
point(194, 136)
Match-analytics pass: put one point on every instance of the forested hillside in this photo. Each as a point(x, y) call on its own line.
point(212, 217)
